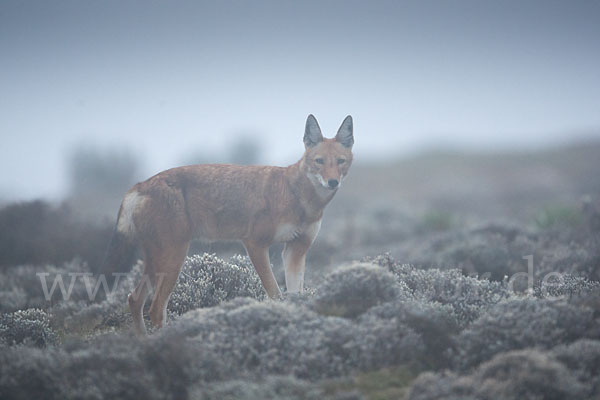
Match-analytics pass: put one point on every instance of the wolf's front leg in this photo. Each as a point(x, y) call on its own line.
point(294, 258)
point(294, 263)
point(259, 255)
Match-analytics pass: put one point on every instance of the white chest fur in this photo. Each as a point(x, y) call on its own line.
point(286, 232)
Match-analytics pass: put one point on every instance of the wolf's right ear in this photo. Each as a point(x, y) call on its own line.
point(312, 132)
point(345, 134)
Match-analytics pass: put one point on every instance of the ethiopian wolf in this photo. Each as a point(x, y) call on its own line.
point(257, 205)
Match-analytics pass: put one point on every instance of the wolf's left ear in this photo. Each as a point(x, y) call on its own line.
point(345, 134)
point(312, 132)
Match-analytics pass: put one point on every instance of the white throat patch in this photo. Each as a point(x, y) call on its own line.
point(320, 185)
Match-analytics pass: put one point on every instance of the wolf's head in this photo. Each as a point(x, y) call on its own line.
point(326, 161)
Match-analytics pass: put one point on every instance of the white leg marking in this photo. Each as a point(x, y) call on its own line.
point(294, 274)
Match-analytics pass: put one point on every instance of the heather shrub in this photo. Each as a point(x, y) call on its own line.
point(438, 386)
point(12, 298)
point(494, 251)
point(497, 251)
point(350, 291)
point(523, 374)
point(468, 296)
point(520, 323)
point(399, 332)
point(269, 388)
point(110, 367)
point(29, 327)
point(270, 338)
point(360, 318)
point(111, 312)
point(22, 287)
point(207, 280)
point(558, 285)
point(582, 358)
point(259, 338)
point(30, 372)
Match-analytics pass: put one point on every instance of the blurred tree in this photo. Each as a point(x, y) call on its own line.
point(243, 150)
point(37, 232)
point(98, 180)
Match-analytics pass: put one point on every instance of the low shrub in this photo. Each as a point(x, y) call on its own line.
point(268, 388)
point(350, 291)
point(29, 327)
point(523, 374)
point(521, 323)
point(207, 280)
point(582, 358)
point(468, 296)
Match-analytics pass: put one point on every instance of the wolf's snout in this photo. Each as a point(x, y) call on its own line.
point(333, 183)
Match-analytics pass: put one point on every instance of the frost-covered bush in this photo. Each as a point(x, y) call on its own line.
point(270, 338)
point(520, 323)
point(483, 257)
point(110, 367)
point(582, 358)
point(439, 386)
point(565, 255)
point(406, 331)
point(269, 388)
point(558, 285)
point(350, 291)
point(497, 251)
point(22, 287)
point(12, 298)
point(112, 311)
point(204, 281)
point(524, 374)
point(207, 280)
point(493, 250)
point(391, 314)
point(468, 296)
point(259, 338)
point(30, 327)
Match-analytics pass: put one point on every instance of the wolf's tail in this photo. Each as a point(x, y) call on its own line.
point(122, 249)
point(120, 255)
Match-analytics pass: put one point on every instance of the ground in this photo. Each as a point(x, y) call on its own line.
point(443, 276)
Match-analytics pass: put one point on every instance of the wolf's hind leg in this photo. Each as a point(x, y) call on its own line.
point(136, 301)
point(166, 268)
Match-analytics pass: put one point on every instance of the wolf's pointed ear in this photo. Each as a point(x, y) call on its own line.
point(345, 134)
point(312, 132)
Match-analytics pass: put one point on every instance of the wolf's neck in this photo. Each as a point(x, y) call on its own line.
point(310, 197)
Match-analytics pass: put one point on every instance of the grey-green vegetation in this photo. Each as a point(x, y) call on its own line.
point(450, 312)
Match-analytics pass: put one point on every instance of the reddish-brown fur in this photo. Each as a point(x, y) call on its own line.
point(258, 205)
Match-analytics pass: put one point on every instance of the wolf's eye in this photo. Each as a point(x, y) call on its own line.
point(340, 161)
point(319, 161)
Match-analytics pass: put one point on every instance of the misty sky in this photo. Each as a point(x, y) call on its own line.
point(169, 78)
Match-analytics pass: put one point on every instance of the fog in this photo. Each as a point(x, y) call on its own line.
point(178, 82)
point(460, 258)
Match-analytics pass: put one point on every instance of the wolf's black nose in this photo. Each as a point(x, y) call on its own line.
point(333, 183)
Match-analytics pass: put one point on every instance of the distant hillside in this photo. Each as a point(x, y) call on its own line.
point(502, 184)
